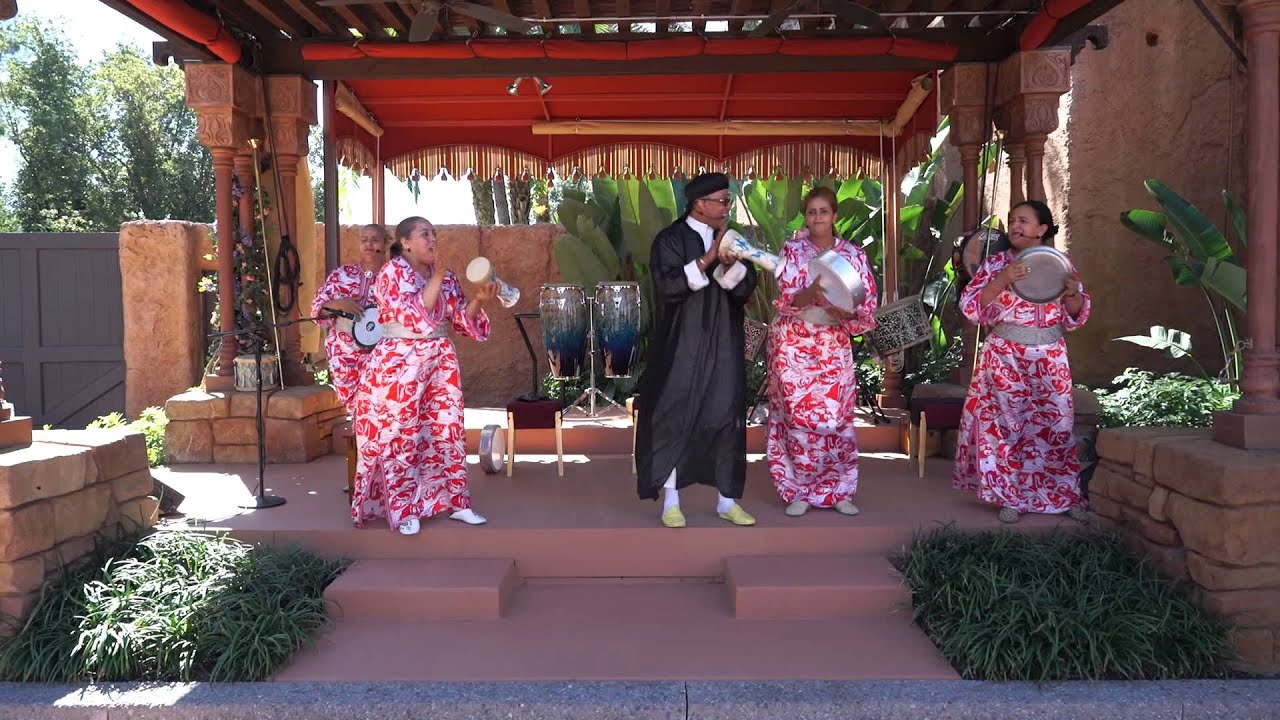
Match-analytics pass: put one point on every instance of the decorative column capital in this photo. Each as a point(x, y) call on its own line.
point(963, 92)
point(291, 100)
point(1038, 72)
point(1259, 16)
point(225, 102)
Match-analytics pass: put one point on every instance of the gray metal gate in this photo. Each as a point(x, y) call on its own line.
point(62, 326)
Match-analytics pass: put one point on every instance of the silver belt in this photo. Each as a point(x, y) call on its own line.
point(1028, 336)
point(818, 316)
point(396, 331)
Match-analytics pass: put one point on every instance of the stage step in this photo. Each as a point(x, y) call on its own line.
point(423, 589)
point(814, 586)
point(619, 630)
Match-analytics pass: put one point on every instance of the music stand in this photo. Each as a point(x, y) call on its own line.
point(260, 501)
point(533, 357)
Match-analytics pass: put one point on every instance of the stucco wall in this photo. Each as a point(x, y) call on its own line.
point(160, 265)
point(1166, 101)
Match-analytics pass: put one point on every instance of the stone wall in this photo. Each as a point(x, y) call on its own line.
point(221, 427)
point(58, 495)
point(1206, 510)
point(160, 264)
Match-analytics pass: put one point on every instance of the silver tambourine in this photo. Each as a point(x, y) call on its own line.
point(366, 329)
point(1049, 268)
point(839, 279)
point(493, 449)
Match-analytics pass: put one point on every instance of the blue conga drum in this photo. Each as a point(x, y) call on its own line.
point(564, 328)
point(618, 327)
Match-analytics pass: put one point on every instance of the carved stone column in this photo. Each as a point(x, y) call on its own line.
point(964, 94)
point(291, 100)
point(1027, 95)
point(1253, 423)
point(223, 97)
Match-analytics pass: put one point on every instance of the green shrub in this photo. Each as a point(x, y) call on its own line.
point(174, 606)
point(1145, 399)
point(150, 423)
point(1064, 606)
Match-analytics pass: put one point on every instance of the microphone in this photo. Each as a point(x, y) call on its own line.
point(331, 313)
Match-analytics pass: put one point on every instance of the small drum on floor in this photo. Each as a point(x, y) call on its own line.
point(618, 327)
point(564, 328)
point(493, 449)
point(900, 325)
point(366, 329)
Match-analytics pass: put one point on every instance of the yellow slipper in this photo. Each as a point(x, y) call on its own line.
point(738, 516)
point(672, 517)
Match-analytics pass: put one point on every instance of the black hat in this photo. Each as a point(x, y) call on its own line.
point(704, 185)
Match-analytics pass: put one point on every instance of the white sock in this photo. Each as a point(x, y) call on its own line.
point(671, 496)
point(724, 504)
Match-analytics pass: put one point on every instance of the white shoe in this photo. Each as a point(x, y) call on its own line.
point(469, 516)
point(797, 508)
point(410, 526)
point(845, 507)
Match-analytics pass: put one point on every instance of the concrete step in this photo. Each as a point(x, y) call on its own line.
point(423, 589)
point(815, 586)
point(619, 630)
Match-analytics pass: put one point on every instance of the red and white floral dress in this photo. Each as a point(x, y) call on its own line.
point(813, 385)
point(409, 418)
point(347, 360)
point(1016, 446)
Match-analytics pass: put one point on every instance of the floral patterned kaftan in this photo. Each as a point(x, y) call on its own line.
point(1016, 446)
point(347, 360)
point(409, 419)
point(813, 389)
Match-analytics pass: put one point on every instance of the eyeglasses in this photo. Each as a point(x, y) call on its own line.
point(723, 201)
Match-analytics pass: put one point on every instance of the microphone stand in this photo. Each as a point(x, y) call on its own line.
point(260, 500)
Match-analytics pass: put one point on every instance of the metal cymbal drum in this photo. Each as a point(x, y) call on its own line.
point(493, 448)
point(839, 280)
point(1049, 268)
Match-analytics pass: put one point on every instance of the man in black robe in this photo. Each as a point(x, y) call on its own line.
point(693, 425)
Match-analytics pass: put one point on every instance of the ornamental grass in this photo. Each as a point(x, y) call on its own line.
point(1006, 605)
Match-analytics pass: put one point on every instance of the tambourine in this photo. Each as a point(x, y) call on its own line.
point(365, 328)
point(493, 447)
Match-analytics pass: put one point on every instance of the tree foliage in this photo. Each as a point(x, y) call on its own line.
point(98, 144)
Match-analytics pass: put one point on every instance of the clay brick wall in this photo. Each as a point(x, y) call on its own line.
point(58, 495)
point(1205, 509)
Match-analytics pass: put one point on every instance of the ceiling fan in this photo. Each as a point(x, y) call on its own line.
point(846, 10)
point(428, 17)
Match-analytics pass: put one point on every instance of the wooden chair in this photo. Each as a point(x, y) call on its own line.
point(939, 414)
point(535, 415)
point(633, 409)
point(345, 432)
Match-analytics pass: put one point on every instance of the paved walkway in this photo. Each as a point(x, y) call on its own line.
point(872, 700)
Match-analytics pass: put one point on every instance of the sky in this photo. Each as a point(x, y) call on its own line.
point(94, 29)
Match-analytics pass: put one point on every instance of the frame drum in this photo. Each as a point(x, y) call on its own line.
point(618, 327)
point(1050, 269)
point(565, 322)
point(366, 329)
point(899, 326)
point(839, 279)
point(493, 448)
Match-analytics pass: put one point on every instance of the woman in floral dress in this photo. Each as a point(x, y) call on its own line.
point(1016, 446)
point(813, 387)
point(349, 289)
point(409, 422)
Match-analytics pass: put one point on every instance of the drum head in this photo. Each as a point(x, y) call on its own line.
point(979, 246)
point(1049, 272)
point(479, 270)
point(493, 448)
point(366, 329)
point(840, 282)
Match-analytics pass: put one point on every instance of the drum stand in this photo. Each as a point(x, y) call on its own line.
point(591, 393)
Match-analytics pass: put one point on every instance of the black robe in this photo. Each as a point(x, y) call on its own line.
point(692, 394)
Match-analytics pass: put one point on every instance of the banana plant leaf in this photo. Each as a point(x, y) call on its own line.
point(1201, 237)
point(1238, 218)
point(1227, 279)
point(1175, 342)
point(1150, 225)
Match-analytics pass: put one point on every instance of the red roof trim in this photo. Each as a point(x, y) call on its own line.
point(1042, 25)
point(193, 25)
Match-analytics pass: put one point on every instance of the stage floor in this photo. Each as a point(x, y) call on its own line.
point(574, 578)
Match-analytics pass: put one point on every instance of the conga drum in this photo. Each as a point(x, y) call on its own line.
point(564, 329)
point(618, 327)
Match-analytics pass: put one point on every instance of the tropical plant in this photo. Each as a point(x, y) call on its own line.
point(1200, 256)
point(1176, 343)
point(1146, 399)
point(151, 423)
